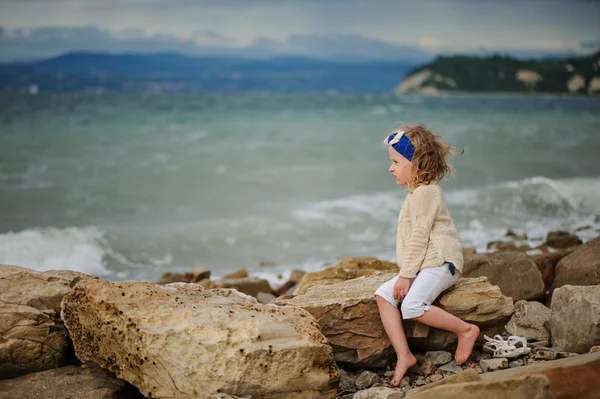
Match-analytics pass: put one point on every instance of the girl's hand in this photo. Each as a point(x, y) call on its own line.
point(401, 288)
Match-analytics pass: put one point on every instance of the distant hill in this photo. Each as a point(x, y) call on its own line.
point(504, 74)
point(167, 72)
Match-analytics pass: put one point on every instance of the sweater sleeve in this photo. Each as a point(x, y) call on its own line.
point(425, 204)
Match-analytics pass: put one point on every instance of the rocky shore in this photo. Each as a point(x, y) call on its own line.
point(66, 334)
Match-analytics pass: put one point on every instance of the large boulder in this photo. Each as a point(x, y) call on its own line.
point(573, 377)
point(180, 341)
point(346, 269)
point(531, 320)
point(582, 267)
point(348, 316)
point(547, 262)
point(32, 335)
point(528, 387)
point(70, 382)
point(575, 318)
point(514, 272)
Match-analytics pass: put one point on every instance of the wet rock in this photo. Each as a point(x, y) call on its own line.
point(156, 337)
point(531, 320)
point(32, 335)
point(517, 276)
point(575, 319)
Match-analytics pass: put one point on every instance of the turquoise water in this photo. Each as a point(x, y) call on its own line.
point(129, 186)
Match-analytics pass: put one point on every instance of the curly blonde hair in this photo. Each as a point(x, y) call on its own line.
point(429, 163)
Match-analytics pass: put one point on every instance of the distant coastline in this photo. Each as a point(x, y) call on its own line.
point(500, 74)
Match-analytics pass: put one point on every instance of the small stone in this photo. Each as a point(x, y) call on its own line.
point(493, 364)
point(389, 374)
point(405, 382)
point(479, 369)
point(479, 356)
point(595, 349)
point(265, 297)
point(428, 368)
point(379, 393)
point(420, 381)
point(434, 378)
point(515, 363)
point(347, 383)
point(452, 367)
point(438, 358)
point(366, 380)
point(545, 355)
point(535, 344)
point(531, 360)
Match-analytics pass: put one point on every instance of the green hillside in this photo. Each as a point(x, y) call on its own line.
point(504, 74)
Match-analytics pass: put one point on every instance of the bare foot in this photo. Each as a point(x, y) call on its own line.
point(403, 364)
point(466, 341)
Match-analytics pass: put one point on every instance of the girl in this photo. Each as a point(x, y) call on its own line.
point(428, 248)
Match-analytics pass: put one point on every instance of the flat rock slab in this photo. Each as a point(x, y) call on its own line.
point(70, 382)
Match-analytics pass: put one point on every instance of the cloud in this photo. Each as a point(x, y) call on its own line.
point(44, 42)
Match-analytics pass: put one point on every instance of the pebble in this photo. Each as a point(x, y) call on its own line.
point(515, 363)
point(544, 355)
point(493, 364)
point(451, 367)
point(420, 381)
point(366, 379)
point(595, 349)
point(428, 368)
point(439, 358)
point(434, 378)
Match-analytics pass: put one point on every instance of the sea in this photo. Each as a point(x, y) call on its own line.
point(130, 186)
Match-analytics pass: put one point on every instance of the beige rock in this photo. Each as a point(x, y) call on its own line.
point(530, 387)
point(468, 375)
point(247, 285)
point(562, 240)
point(575, 318)
point(531, 320)
point(70, 382)
point(582, 267)
point(32, 336)
point(346, 269)
point(380, 393)
point(547, 262)
point(180, 341)
point(296, 276)
point(242, 273)
point(517, 276)
point(574, 377)
point(265, 297)
point(348, 316)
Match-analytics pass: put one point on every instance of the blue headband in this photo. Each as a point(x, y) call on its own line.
point(401, 144)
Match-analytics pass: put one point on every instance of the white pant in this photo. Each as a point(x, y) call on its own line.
point(424, 289)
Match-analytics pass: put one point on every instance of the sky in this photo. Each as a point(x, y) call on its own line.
point(363, 30)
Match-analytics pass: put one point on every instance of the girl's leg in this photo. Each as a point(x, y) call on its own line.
point(467, 333)
point(392, 322)
point(426, 287)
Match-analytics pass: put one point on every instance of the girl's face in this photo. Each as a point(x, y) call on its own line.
point(400, 167)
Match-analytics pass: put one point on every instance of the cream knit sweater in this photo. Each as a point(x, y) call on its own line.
point(427, 236)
